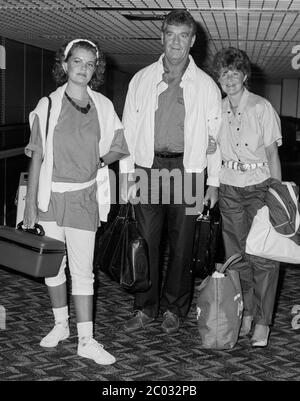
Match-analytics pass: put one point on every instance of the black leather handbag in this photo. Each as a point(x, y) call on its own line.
point(208, 246)
point(122, 253)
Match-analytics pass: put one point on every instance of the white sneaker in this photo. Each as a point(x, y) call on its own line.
point(93, 350)
point(59, 332)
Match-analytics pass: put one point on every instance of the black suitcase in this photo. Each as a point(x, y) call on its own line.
point(30, 251)
point(208, 247)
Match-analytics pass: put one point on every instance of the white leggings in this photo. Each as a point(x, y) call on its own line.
point(80, 249)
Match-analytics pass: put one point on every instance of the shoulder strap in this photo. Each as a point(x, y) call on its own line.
point(293, 196)
point(294, 199)
point(277, 196)
point(48, 114)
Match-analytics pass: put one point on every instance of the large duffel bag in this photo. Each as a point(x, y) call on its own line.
point(219, 307)
point(30, 251)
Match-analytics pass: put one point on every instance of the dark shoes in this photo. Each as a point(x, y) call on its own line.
point(138, 321)
point(169, 325)
point(170, 322)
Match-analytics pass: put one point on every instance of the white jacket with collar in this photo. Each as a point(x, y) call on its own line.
point(203, 105)
point(108, 121)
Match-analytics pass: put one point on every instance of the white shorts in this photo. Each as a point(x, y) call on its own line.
point(80, 250)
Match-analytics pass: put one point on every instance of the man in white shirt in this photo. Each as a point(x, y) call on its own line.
point(171, 109)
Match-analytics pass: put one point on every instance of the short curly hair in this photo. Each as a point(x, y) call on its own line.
point(233, 58)
point(179, 17)
point(60, 76)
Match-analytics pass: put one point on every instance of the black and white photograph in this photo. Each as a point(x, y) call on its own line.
point(149, 194)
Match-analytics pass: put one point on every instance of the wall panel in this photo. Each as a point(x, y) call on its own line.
point(14, 82)
point(33, 78)
point(48, 82)
point(273, 94)
point(289, 97)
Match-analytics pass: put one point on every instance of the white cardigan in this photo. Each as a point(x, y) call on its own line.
point(109, 123)
point(203, 107)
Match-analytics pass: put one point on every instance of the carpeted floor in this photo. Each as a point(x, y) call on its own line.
point(150, 354)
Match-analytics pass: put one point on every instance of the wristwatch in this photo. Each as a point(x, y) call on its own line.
point(101, 163)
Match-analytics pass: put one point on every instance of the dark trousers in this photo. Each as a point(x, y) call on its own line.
point(258, 276)
point(177, 291)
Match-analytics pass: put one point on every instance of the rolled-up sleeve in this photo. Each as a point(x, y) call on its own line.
point(35, 141)
point(271, 125)
point(119, 143)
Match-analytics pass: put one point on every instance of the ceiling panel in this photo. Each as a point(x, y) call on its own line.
point(129, 30)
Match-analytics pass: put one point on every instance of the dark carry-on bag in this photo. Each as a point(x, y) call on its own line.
point(208, 243)
point(30, 251)
point(220, 307)
point(122, 252)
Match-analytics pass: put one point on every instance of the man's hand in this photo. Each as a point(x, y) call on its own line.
point(212, 196)
point(128, 187)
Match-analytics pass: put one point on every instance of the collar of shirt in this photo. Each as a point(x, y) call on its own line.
point(177, 79)
point(161, 85)
point(189, 73)
point(241, 106)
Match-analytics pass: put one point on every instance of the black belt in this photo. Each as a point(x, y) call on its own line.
point(168, 155)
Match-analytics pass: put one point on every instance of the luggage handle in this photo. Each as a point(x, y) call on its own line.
point(127, 211)
point(233, 259)
point(204, 215)
point(36, 230)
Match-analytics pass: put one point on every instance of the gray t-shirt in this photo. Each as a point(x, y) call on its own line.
point(76, 157)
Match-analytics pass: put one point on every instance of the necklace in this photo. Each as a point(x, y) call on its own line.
point(83, 110)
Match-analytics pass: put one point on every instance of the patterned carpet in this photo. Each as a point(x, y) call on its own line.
point(147, 355)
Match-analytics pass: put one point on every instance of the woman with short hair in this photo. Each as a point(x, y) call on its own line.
point(249, 138)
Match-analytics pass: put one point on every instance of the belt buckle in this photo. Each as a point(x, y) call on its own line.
point(243, 167)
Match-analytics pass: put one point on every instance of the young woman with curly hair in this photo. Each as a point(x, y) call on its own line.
point(68, 178)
